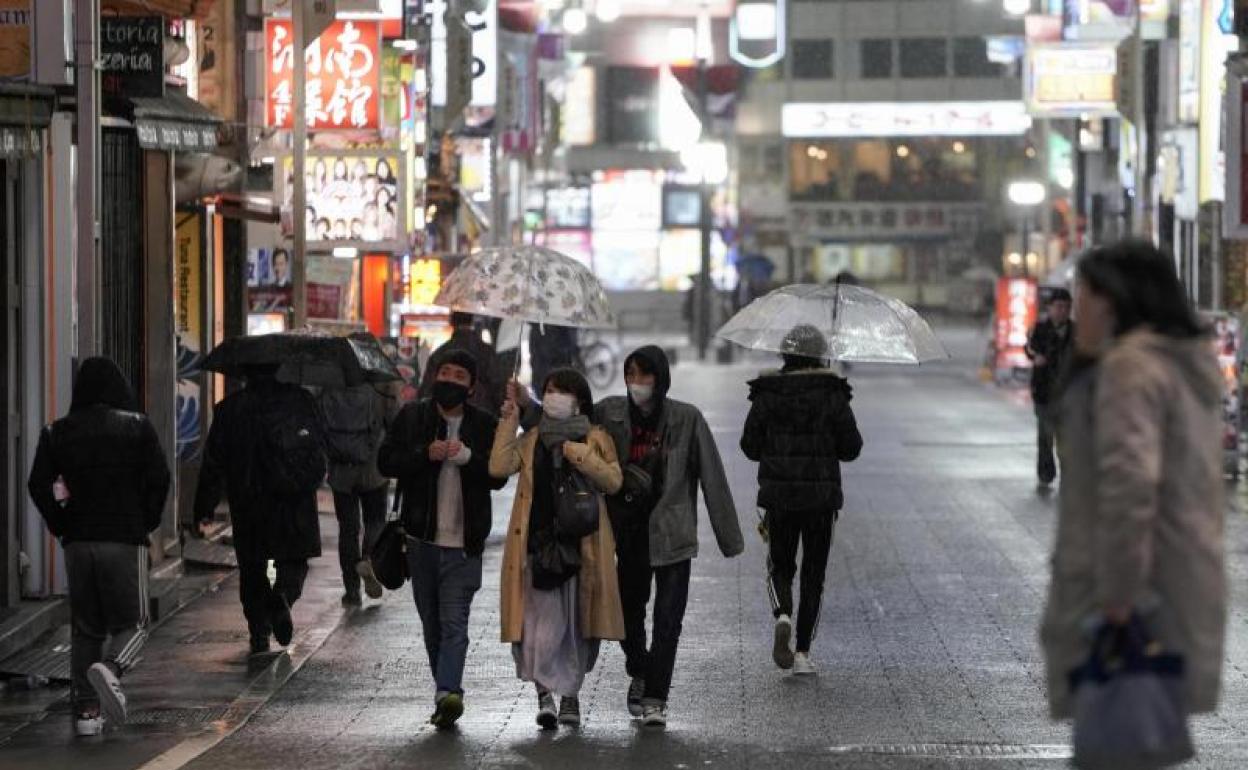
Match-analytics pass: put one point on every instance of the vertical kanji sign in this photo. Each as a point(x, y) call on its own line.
point(344, 76)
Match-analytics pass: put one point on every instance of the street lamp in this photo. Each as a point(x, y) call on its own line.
point(1026, 194)
point(575, 21)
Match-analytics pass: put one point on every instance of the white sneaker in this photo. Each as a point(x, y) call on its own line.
point(372, 586)
point(654, 715)
point(88, 726)
point(108, 688)
point(803, 665)
point(781, 652)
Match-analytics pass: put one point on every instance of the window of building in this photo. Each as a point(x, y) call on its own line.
point(877, 59)
point(812, 59)
point(885, 170)
point(924, 57)
point(970, 59)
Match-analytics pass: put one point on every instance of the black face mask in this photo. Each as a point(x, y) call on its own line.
point(449, 395)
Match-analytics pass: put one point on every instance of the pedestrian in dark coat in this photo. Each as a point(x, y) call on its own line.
point(100, 480)
point(439, 450)
point(268, 523)
point(489, 387)
point(1049, 347)
point(799, 430)
point(667, 452)
point(551, 347)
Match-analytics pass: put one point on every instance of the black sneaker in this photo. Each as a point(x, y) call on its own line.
point(352, 599)
point(279, 617)
point(450, 708)
point(570, 712)
point(547, 716)
point(636, 690)
point(259, 647)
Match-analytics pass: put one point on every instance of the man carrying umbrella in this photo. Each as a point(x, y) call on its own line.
point(799, 430)
point(266, 451)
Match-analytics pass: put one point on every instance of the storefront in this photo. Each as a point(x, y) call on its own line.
point(25, 114)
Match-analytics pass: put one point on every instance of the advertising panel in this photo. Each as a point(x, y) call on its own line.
point(1072, 79)
point(882, 119)
point(349, 199)
point(568, 208)
point(1016, 314)
point(15, 24)
point(268, 280)
point(577, 244)
point(343, 76)
point(189, 329)
point(484, 27)
point(132, 56)
point(333, 288)
point(1227, 346)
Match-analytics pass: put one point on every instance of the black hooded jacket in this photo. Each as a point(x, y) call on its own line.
point(799, 431)
point(110, 459)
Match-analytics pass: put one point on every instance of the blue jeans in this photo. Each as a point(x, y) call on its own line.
point(444, 581)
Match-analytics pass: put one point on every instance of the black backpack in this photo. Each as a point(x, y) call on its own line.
point(576, 505)
point(291, 459)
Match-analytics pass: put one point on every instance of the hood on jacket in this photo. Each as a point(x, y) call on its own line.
point(654, 359)
point(1193, 360)
point(100, 382)
point(800, 395)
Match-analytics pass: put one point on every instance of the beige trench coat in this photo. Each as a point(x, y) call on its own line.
point(602, 616)
point(1142, 512)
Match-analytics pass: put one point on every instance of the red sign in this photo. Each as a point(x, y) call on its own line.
point(1016, 314)
point(344, 76)
point(324, 300)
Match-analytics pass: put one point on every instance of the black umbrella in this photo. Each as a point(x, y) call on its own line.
point(306, 359)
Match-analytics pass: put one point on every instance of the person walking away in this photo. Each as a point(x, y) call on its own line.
point(1049, 347)
point(1141, 512)
point(100, 480)
point(551, 347)
point(439, 451)
point(266, 452)
point(489, 386)
point(668, 451)
point(356, 418)
point(799, 430)
point(560, 598)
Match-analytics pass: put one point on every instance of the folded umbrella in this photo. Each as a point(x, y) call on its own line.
point(860, 325)
point(306, 359)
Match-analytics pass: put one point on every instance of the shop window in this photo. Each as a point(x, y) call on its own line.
point(816, 171)
point(877, 59)
point(924, 57)
point(970, 59)
point(812, 60)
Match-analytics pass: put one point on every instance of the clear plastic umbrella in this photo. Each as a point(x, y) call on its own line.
point(860, 325)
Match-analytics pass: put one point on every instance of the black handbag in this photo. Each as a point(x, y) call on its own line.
point(576, 505)
point(389, 556)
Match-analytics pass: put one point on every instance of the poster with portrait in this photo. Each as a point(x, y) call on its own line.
point(268, 279)
point(349, 199)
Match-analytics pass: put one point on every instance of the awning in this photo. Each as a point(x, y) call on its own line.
point(25, 110)
point(175, 121)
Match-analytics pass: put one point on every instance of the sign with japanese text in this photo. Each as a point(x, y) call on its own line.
point(482, 50)
point(1017, 303)
point(848, 119)
point(832, 221)
point(132, 56)
point(215, 48)
point(1072, 79)
point(423, 281)
point(15, 25)
point(343, 80)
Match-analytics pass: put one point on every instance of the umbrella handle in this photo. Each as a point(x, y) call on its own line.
point(515, 374)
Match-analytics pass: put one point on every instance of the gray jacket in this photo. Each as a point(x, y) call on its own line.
point(1141, 510)
point(692, 460)
point(356, 419)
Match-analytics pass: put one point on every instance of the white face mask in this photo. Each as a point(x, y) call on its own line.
point(559, 406)
point(641, 394)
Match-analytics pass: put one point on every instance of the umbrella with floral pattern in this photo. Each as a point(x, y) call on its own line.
point(527, 283)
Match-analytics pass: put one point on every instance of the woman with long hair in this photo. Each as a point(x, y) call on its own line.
point(560, 595)
point(1140, 523)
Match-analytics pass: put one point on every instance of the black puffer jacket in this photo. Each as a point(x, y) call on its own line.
point(110, 460)
point(799, 431)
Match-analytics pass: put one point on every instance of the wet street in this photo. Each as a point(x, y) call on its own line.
point(927, 653)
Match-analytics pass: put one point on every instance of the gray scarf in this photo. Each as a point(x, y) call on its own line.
point(555, 432)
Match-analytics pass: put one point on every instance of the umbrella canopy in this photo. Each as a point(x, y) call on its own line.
point(306, 359)
point(527, 283)
point(860, 325)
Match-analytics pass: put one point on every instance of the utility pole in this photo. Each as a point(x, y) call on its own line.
point(702, 312)
point(1139, 204)
point(87, 86)
point(299, 205)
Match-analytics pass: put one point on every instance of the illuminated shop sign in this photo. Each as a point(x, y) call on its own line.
point(343, 76)
point(883, 119)
point(1072, 79)
point(757, 33)
point(832, 221)
point(350, 199)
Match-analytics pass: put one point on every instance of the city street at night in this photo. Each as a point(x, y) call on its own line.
point(927, 655)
